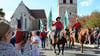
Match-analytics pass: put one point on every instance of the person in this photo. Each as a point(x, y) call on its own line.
point(77, 27)
point(43, 37)
point(13, 39)
point(19, 37)
point(7, 49)
point(36, 43)
point(58, 26)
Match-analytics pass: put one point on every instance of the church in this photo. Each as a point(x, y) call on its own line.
point(30, 18)
point(67, 5)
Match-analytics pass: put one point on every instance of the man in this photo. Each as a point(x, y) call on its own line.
point(77, 27)
point(7, 49)
point(58, 26)
point(43, 37)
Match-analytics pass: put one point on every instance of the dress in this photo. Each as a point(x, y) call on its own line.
point(36, 46)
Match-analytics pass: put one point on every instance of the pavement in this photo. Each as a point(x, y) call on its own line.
point(88, 50)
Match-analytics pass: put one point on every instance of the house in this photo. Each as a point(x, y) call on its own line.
point(30, 18)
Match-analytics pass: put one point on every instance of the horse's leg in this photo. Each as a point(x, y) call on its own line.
point(63, 48)
point(58, 45)
point(73, 42)
point(70, 43)
point(82, 48)
point(54, 45)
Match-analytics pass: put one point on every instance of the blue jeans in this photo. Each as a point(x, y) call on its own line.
point(55, 34)
point(43, 42)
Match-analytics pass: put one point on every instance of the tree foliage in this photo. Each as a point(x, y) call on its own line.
point(2, 14)
point(91, 21)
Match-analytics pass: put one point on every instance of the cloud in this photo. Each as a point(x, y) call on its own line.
point(80, 14)
point(8, 15)
point(86, 3)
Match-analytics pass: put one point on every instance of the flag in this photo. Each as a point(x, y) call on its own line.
point(41, 25)
point(49, 21)
point(66, 20)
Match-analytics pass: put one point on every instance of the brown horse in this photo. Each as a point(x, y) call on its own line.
point(82, 37)
point(72, 38)
point(60, 40)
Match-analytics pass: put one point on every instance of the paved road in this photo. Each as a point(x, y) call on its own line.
point(89, 50)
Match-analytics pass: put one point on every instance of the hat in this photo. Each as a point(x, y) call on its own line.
point(58, 18)
point(4, 27)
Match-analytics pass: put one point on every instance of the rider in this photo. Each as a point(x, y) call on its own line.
point(58, 26)
point(77, 27)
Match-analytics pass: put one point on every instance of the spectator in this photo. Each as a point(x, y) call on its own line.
point(13, 39)
point(36, 44)
point(6, 49)
point(43, 37)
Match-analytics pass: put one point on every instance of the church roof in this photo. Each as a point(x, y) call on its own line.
point(38, 13)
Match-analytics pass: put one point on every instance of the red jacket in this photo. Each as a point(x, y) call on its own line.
point(58, 25)
point(77, 25)
point(19, 36)
point(43, 35)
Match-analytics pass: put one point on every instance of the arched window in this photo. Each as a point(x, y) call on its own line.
point(64, 1)
point(71, 1)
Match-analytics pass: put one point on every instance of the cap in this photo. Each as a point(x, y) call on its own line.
point(4, 27)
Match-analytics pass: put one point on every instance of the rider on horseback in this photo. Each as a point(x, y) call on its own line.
point(77, 27)
point(59, 26)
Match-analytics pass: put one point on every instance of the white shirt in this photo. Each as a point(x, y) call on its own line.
point(36, 39)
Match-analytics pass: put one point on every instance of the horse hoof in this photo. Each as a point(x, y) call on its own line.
point(58, 53)
point(62, 53)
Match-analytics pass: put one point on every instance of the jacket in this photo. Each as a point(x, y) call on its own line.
point(58, 25)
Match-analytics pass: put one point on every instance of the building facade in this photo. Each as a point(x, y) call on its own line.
point(67, 5)
point(30, 18)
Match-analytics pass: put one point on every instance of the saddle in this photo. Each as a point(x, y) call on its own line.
point(57, 37)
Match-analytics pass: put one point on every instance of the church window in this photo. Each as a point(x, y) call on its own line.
point(25, 23)
point(64, 1)
point(70, 13)
point(71, 1)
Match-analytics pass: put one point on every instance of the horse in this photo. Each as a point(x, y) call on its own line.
point(71, 38)
point(60, 40)
point(82, 36)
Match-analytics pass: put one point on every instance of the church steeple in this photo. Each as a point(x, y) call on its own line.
point(67, 5)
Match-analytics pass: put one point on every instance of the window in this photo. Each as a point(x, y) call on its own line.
point(64, 1)
point(25, 23)
point(71, 1)
point(70, 13)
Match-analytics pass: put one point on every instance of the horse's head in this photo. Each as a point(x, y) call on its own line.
point(67, 31)
point(89, 31)
point(64, 33)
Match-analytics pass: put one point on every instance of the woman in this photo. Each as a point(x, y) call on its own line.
point(36, 43)
point(7, 49)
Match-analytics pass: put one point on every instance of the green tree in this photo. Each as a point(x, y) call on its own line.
point(94, 20)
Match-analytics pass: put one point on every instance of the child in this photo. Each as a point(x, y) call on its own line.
point(36, 43)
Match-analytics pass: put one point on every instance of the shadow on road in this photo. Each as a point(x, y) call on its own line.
point(42, 54)
point(84, 55)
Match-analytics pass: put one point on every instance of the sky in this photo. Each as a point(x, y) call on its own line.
point(85, 7)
